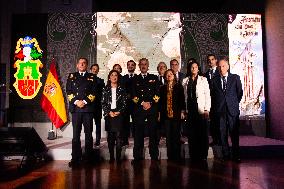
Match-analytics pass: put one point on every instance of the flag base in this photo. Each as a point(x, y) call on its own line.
point(51, 135)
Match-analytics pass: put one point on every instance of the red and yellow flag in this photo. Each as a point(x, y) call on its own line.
point(52, 100)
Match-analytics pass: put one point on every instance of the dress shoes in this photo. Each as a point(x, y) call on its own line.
point(236, 159)
point(136, 161)
point(97, 143)
point(74, 164)
point(225, 158)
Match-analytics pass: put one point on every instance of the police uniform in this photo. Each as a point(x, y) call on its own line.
point(145, 89)
point(81, 87)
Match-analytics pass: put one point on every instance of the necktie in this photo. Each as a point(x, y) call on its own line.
point(224, 83)
point(81, 74)
point(131, 75)
point(211, 73)
point(144, 76)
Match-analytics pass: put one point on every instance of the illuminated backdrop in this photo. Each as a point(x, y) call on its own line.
point(123, 36)
point(246, 59)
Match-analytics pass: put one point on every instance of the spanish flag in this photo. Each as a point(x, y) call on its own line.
point(52, 100)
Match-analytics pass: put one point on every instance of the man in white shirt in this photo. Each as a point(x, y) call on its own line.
point(212, 71)
point(127, 82)
point(97, 104)
point(226, 94)
point(210, 74)
point(161, 68)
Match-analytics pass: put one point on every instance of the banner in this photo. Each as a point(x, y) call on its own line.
point(52, 101)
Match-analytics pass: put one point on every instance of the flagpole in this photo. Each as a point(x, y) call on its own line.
point(51, 134)
point(55, 132)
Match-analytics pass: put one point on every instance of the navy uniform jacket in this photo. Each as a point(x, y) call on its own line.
point(146, 90)
point(127, 81)
point(81, 88)
point(230, 99)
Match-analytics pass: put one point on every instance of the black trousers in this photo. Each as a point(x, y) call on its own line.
point(126, 126)
point(173, 138)
point(214, 129)
point(114, 139)
point(98, 127)
point(139, 124)
point(198, 137)
point(79, 119)
point(229, 125)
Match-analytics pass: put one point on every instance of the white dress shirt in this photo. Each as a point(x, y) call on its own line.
point(82, 73)
point(177, 76)
point(129, 75)
point(161, 78)
point(214, 70)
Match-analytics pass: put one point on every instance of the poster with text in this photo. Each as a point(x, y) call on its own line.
point(246, 60)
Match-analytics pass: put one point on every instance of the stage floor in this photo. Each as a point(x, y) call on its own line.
point(250, 147)
point(210, 174)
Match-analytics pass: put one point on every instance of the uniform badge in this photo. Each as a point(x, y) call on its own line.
point(135, 99)
point(91, 97)
point(156, 98)
point(70, 97)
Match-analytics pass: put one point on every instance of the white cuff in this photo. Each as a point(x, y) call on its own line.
point(76, 102)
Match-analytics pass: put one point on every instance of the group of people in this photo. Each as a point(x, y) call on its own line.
point(158, 102)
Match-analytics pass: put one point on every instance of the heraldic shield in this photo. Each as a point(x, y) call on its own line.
point(27, 62)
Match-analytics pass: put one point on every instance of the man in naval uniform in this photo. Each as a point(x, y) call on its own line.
point(145, 95)
point(80, 89)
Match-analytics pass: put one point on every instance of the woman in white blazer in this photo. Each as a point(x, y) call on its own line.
point(198, 104)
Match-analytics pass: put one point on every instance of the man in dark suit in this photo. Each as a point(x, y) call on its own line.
point(213, 70)
point(226, 94)
point(161, 68)
point(145, 95)
point(210, 74)
point(127, 81)
point(174, 65)
point(81, 89)
point(97, 104)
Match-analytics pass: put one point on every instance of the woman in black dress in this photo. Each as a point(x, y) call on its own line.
point(171, 111)
point(113, 104)
point(198, 103)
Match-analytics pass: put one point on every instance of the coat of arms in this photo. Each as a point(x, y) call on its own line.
point(27, 62)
